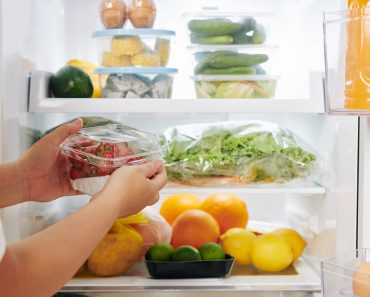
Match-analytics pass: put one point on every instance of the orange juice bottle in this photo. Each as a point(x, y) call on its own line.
point(357, 73)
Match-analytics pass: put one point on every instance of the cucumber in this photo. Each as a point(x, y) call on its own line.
point(204, 62)
point(248, 24)
point(259, 35)
point(242, 38)
point(231, 70)
point(220, 39)
point(214, 27)
point(238, 60)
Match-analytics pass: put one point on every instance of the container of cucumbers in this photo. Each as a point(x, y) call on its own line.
point(221, 28)
point(235, 86)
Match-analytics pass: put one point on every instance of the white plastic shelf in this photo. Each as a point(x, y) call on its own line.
point(300, 278)
point(40, 103)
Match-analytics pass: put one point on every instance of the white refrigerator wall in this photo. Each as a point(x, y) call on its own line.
point(44, 34)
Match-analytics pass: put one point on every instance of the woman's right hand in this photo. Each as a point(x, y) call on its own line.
point(132, 188)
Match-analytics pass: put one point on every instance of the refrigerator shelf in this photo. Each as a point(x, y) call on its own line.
point(39, 102)
point(301, 277)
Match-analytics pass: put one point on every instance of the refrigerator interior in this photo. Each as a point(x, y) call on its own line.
point(44, 34)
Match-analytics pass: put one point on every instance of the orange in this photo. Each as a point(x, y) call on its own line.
point(176, 204)
point(229, 211)
point(194, 227)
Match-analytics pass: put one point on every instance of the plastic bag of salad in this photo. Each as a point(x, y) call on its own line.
point(236, 153)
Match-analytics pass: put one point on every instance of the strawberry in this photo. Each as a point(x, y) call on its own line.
point(103, 147)
point(74, 174)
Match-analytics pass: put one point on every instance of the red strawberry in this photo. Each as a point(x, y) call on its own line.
point(74, 174)
point(93, 171)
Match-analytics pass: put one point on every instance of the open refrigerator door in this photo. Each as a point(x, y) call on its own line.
point(203, 93)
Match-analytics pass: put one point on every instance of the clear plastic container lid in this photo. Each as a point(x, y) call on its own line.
point(136, 70)
point(133, 32)
point(111, 146)
point(233, 77)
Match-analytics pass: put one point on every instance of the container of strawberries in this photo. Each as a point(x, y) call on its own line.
point(95, 153)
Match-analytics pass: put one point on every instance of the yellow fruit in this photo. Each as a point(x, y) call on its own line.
point(110, 60)
point(117, 252)
point(126, 45)
point(296, 241)
point(271, 253)
point(162, 48)
point(89, 68)
point(361, 280)
point(146, 60)
point(238, 242)
point(176, 204)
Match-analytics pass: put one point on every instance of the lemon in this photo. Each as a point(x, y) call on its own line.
point(271, 253)
point(185, 253)
point(296, 241)
point(160, 252)
point(89, 68)
point(237, 242)
point(211, 251)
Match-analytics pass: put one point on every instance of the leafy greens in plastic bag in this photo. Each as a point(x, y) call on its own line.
point(234, 152)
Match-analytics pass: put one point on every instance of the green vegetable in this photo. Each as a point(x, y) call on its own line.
point(242, 38)
point(219, 39)
point(71, 82)
point(259, 35)
point(238, 60)
point(252, 151)
point(230, 70)
point(234, 90)
point(249, 24)
point(213, 27)
point(204, 62)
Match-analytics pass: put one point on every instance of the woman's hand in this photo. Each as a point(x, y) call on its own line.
point(132, 188)
point(44, 169)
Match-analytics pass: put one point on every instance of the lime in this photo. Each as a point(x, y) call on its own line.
point(211, 251)
point(160, 252)
point(185, 253)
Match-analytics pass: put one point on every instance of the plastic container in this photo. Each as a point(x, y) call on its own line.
point(227, 28)
point(134, 47)
point(190, 269)
point(241, 60)
point(341, 275)
point(235, 86)
point(95, 153)
point(135, 82)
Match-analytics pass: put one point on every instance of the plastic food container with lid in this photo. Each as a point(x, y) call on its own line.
point(227, 28)
point(134, 47)
point(136, 82)
point(235, 86)
point(95, 153)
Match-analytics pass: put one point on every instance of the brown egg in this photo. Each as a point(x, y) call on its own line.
point(113, 13)
point(142, 13)
point(361, 280)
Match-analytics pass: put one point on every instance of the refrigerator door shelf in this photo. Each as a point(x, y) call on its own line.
point(40, 101)
point(300, 278)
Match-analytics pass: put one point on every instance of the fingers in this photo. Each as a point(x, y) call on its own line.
point(57, 136)
point(151, 168)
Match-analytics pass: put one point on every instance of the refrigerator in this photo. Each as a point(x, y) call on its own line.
point(39, 36)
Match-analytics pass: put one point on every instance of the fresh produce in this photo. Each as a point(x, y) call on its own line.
point(162, 49)
point(146, 59)
point(229, 210)
point(113, 13)
point(241, 152)
point(71, 82)
point(176, 204)
point(238, 243)
point(137, 86)
point(185, 253)
point(117, 252)
point(142, 13)
point(224, 31)
point(271, 253)
point(229, 62)
point(110, 60)
point(89, 68)
point(297, 243)
point(127, 45)
point(160, 252)
point(214, 27)
point(361, 280)
point(211, 251)
point(194, 227)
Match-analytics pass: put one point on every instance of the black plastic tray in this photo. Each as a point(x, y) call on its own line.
point(190, 269)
